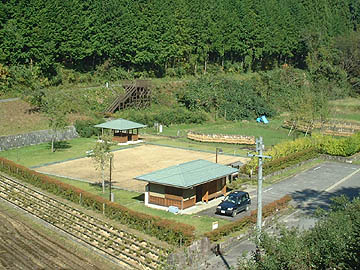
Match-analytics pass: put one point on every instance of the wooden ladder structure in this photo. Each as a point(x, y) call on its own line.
point(137, 95)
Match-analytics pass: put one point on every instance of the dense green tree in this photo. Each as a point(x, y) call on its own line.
point(349, 57)
point(154, 36)
point(333, 243)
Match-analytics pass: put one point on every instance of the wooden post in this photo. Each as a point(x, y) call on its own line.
point(224, 187)
point(80, 199)
point(103, 208)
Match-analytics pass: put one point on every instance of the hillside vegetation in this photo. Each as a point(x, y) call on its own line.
point(234, 60)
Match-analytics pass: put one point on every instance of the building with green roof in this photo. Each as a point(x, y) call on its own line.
point(123, 130)
point(185, 184)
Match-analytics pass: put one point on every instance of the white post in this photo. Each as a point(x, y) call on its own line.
point(146, 200)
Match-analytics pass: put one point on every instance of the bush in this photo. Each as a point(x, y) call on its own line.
point(333, 243)
point(290, 160)
point(289, 153)
point(283, 149)
point(86, 129)
point(338, 146)
point(232, 99)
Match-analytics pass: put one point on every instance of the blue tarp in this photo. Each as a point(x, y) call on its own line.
point(173, 209)
point(262, 119)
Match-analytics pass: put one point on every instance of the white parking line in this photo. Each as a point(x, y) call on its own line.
point(268, 190)
point(342, 180)
point(316, 168)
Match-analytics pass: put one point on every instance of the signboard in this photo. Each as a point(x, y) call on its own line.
point(215, 225)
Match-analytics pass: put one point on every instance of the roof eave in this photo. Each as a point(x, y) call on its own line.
point(183, 187)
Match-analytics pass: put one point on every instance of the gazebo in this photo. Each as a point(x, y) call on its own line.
point(185, 184)
point(123, 130)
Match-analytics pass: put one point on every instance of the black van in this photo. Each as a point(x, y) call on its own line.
point(234, 203)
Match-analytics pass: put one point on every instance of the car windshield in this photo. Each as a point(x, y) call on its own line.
point(231, 198)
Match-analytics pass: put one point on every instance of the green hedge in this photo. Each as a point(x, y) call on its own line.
point(338, 146)
point(244, 222)
point(174, 233)
point(290, 160)
point(283, 162)
point(288, 153)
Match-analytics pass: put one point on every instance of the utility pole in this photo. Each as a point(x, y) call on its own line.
point(110, 179)
point(218, 151)
point(259, 150)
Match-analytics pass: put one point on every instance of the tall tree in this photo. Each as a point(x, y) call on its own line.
point(56, 112)
point(102, 156)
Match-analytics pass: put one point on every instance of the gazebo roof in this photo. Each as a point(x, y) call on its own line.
point(120, 124)
point(189, 174)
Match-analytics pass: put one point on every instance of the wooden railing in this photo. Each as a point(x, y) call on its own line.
point(179, 203)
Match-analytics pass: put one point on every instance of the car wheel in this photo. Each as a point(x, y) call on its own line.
point(233, 214)
point(247, 208)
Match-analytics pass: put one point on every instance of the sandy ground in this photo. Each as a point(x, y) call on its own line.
point(132, 162)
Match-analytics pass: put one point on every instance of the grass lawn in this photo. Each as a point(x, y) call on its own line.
point(346, 109)
point(35, 155)
point(272, 133)
point(135, 201)
point(230, 149)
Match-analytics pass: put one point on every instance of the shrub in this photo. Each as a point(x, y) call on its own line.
point(338, 146)
point(233, 99)
point(290, 160)
point(284, 149)
point(85, 128)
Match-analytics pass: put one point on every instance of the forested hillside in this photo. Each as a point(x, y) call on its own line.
point(263, 56)
point(166, 37)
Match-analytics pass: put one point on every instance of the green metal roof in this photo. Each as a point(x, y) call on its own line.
point(188, 174)
point(120, 124)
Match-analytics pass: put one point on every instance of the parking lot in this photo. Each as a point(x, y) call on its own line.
point(309, 189)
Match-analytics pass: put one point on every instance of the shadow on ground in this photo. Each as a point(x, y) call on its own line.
point(309, 199)
point(60, 145)
point(139, 198)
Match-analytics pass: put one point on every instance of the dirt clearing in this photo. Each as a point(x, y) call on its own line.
point(132, 162)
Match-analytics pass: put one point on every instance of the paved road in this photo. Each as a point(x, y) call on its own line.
point(309, 190)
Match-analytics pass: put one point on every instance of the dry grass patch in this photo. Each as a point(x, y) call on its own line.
point(19, 117)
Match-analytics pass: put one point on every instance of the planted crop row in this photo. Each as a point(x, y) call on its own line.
point(75, 213)
point(174, 233)
point(121, 246)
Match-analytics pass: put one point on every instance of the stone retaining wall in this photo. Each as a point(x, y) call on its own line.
point(221, 138)
point(192, 257)
point(36, 137)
